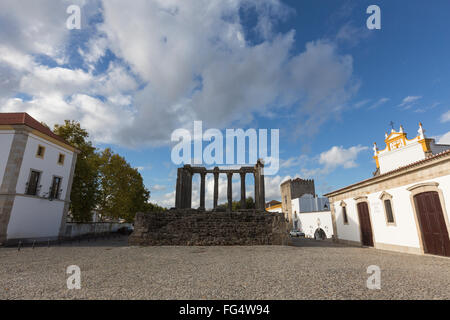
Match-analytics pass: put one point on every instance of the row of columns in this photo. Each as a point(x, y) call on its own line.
point(184, 186)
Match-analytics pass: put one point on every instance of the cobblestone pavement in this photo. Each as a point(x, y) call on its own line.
point(308, 270)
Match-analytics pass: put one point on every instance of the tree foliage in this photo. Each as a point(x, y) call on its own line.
point(122, 188)
point(103, 181)
point(86, 186)
point(236, 205)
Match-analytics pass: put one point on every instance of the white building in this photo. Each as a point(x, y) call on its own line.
point(404, 206)
point(310, 203)
point(311, 215)
point(36, 173)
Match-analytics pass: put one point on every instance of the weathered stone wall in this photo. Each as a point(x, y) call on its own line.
point(207, 228)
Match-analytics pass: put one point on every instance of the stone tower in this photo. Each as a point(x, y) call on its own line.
point(293, 189)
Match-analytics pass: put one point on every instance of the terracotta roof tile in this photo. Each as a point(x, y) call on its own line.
point(23, 118)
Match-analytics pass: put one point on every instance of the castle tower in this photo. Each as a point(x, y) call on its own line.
point(293, 189)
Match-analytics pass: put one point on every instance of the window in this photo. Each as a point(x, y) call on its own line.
point(55, 188)
point(344, 214)
point(40, 152)
point(386, 198)
point(61, 158)
point(33, 183)
point(388, 209)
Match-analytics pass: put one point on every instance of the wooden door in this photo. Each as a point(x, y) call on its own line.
point(365, 224)
point(432, 223)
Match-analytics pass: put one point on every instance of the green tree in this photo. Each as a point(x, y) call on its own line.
point(123, 192)
point(151, 207)
point(236, 205)
point(85, 187)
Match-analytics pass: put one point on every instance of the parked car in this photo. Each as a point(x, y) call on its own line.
point(296, 233)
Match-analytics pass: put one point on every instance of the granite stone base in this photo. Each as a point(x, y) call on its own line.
point(190, 227)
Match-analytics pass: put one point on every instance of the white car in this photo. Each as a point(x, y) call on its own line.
point(296, 233)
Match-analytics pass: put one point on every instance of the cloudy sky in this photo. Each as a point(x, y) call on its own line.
point(137, 70)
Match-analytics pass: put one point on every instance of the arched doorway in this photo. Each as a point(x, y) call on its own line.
point(319, 234)
point(432, 223)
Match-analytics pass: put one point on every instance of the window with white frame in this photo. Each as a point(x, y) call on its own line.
point(386, 198)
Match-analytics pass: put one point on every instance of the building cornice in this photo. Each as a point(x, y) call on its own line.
point(415, 166)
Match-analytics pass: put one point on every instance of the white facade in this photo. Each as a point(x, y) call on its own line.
point(310, 203)
point(310, 222)
point(403, 232)
point(41, 214)
point(401, 151)
point(388, 211)
point(310, 213)
point(6, 138)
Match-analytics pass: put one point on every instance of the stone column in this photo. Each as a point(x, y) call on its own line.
point(230, 191)
point(216, 186)
point(243, 202)
point(179, 188)
point(260, 199)
point(202, 190)
point(256, 176)
point(262, 193)
point(189, 189)
point(186, 187)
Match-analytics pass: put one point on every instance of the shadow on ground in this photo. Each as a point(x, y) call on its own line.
point(305, 242)
point(113, 240)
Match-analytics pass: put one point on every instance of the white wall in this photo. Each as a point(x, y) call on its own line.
point(404, 232)
point(6, 138)
point(400, 157)
point(309, 203)
point(49, 165)
point(34, 218)
point(310, 221)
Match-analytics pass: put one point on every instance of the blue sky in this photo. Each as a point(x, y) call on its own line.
point(135, 72)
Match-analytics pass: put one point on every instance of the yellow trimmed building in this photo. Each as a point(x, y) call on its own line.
point(405, 205)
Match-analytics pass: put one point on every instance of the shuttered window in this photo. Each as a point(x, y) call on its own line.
point(388, 208)
point(344, 214)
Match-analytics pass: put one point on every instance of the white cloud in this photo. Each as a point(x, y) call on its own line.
point(272, 186)
point(444, 139)
point(185, 52)
point(361, 103)
point(409, 101)
point(158, 187)
point(379, 103)
point(446, 117)
point(352, 35)
point(338, 156)
point(293, 162)
point(177, 61)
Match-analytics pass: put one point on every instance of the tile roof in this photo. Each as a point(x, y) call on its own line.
point(23, 118)
point(403, 168)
